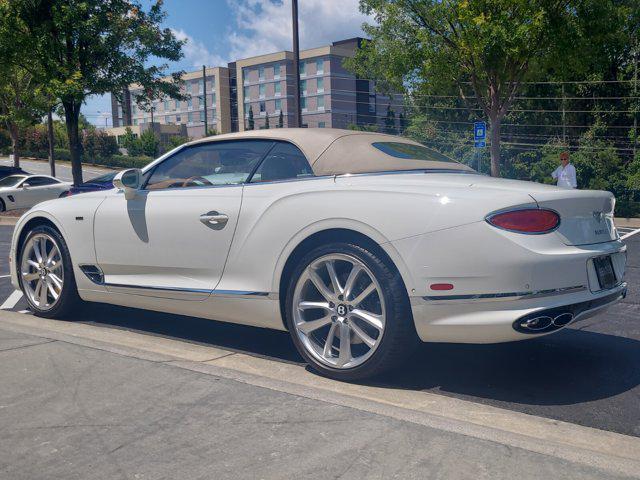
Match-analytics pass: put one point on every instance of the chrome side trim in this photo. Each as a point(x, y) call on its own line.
point(225, 293)
point(509, 295)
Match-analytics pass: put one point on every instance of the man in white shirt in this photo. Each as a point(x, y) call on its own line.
point(565, 174)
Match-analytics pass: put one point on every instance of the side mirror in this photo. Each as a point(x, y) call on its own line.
point(129, 181)
point(26, 185)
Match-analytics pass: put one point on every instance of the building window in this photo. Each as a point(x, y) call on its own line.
point(201, 86)
point(303, 103)
point(212, 82)
point(202, 116)
point(262, 90)
point(263, 108)
point(166, 105)
point(261, 74)
point(303, 68)
point(245, 93)
point(245, 76)
point(135, 121)
point(176, 105)
point(178, 119)
point(134, 110)
point(212, 99)
point(190, 103)
point(320, 66)
point(168, 120)
point(278, 105)
point(303, 87)
point(320, 85)
point(320, 102)
point(322, 124)
point(277, 88)
point(276, 71)
point(190, 117)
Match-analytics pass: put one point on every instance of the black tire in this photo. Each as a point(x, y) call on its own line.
point(399, 338)
point(3, 207)
point(69, 299)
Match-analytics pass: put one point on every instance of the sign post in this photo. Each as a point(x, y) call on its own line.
point(479, 139)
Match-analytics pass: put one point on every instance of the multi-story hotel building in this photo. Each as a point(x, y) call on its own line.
point(190, 112)
point(258, 92)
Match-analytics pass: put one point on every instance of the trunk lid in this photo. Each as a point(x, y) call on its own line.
point(586, 216)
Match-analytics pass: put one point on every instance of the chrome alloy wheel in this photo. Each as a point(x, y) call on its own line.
point(41, 271)
point(338, 311)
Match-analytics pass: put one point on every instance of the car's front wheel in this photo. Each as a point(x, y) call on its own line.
point(348, 312)
point(46, 274)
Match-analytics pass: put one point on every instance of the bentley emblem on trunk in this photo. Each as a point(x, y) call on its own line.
point(598, 216)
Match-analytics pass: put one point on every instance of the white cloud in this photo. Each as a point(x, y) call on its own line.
point(264, 26)
point(195, 52)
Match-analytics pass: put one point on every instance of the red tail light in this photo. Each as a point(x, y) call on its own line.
point(530, 220)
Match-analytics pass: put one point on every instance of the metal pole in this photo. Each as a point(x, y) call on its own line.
point(204, 98)
point(296, 65)
point(564, 123)
point(635, 109)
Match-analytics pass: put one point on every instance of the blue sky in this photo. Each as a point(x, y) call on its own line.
point(219, 31)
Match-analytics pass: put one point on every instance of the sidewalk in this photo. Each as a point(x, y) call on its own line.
point(85, 412)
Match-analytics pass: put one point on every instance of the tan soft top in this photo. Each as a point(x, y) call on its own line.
point(332, 151)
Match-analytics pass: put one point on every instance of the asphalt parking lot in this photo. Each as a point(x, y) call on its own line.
point(587, 374)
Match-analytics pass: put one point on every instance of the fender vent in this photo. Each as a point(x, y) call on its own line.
point(93, 272)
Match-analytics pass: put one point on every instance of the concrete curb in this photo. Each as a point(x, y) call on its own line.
point(608, 451)
point(628, 222)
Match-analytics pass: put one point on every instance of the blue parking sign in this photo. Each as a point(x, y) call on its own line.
point(480, 134)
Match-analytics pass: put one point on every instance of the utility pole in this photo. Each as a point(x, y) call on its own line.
point(204, 99)
point(296, 65)
point(635, 101)
point(564, 123)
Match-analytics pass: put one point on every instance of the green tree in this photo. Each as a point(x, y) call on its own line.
point(149, 144)
point(131, 142)
point(251, 120)
point(88, 47)
point(281, 119)
point(483, 50)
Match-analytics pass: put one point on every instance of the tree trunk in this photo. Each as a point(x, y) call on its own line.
point(72, 114)
point(14, 134)
point(495, 145)
point(52, 161)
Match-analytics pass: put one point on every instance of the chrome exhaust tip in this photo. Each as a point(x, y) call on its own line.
point(543, 322)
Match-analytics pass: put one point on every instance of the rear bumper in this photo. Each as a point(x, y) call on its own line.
point(497, 320)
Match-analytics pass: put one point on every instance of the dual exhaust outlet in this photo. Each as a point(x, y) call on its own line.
point(543, 322)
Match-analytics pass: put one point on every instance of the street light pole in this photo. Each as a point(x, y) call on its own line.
point(296, 65)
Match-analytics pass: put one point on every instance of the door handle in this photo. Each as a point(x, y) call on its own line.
point(214, 220)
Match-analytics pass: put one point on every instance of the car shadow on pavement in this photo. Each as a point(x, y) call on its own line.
point(569, 367)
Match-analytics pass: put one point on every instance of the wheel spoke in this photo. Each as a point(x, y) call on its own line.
point(365, 293)
point(327, 353)
point(351, 280)
point(370, 342)
point(55, 280)
point(314, 305)
point(313, 325)
point(317, 281)
point(52, 290)
point(331, 268)
point(29, 277)
point(36, 250)
point(345, 345)
point(42, 297)
point(376, 321)
point(52, 254)
point(33, 264)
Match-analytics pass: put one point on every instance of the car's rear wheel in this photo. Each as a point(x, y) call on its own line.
point(348, 312)
point(46, 274)
point(2, 206)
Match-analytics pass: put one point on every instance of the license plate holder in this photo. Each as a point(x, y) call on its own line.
point(605, 272)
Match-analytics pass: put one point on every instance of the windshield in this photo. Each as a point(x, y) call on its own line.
point(11, 181)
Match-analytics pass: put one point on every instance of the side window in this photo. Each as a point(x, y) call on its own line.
point(215, 163)
point(40, 181)
point(284, 162)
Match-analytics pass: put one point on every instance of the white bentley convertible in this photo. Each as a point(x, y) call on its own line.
point(358, 244)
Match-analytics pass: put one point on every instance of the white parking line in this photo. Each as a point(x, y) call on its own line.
point(5, 276)
point(12, 301)
point(627, 235)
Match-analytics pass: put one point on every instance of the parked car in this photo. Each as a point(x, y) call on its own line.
point(103, 182)
point(25, 191)
point(5, 171)
point(359, 244)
